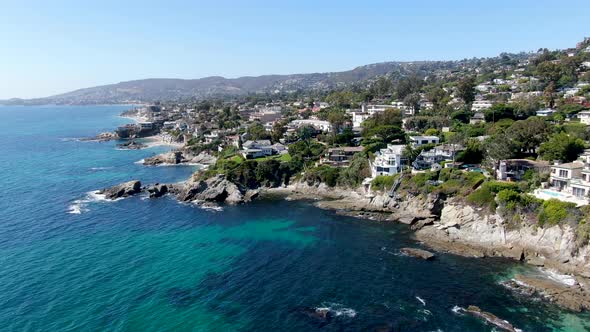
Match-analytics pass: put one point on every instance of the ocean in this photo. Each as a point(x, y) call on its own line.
point(72, 262)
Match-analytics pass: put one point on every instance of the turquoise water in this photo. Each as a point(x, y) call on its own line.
point(69, 262)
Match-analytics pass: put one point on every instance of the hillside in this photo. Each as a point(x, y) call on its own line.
point(149, 90)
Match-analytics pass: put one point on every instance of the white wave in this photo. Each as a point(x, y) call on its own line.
point(100, 168)
point(457, 310)
point(337, 310)
point(80, 206)
point(560, 278)
point(140, 161)
point(421, 300)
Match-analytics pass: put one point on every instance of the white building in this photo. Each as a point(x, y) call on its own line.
point(358, 118)
point(388, 161)
point(480, 105)
point(321, 125)
point(546, 112)
point(584, 117)
point(422, 140)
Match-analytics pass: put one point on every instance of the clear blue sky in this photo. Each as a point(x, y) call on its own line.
point(50, 47)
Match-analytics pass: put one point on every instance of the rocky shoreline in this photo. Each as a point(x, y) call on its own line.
point(455, 227)
point(440, 224)
point(180, 157)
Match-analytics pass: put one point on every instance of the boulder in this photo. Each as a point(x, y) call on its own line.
point(421, 223)
point(490, 318)
point(157, 190)
point(122, 190)
point(418, 253)
point(216, 189)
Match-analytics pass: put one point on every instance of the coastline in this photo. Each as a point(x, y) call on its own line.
point(563, 277)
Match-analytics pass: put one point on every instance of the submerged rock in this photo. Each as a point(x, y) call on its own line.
point(318, 315)
point(122, 190)
point(131, 145)
point(418, 253)
point(490, 318)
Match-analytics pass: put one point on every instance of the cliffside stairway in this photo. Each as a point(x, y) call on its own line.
point(396, 185)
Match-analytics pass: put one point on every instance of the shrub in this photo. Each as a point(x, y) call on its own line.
point(483, 197)
point(554, 211)
point(383, 182)
point(497, 186)
point(509, 197)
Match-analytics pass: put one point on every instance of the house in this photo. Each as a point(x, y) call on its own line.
point(145, 125)
point(340, 156)
point(417, 141)
point(257, 149)
point(358, 118)
point(262, 148)
point(477, 118)
point(562, 174)
point(387, 161)
point(514, 169)
point(584, 117)
point(433, 158)
point(546, 112)
point(212, 136)
point(480, 105)
point(319, 125)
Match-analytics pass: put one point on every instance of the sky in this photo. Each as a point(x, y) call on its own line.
point(51, 47)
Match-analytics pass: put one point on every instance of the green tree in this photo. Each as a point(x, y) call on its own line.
point(499, 147)
point(561, 146)
point(412, 101)
point(466, 90)
point(257, 131)
point(498, 112)
point(278, 130)
point(527, 135)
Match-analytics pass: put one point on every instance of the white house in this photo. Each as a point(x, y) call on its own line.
point(584, 117)
point(421, 140)
point(257, 149)
point(388, 161)
point(480, 105)
point(321, 125)
point(358, 118)
point(546, 112)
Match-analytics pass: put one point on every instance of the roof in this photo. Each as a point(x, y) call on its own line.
point(572, 165)
point(425, 137)
point(347, 149)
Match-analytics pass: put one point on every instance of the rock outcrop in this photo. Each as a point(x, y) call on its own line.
point(122, 190)
point(216, 189)
point(489, 318)
point(171, 158)
point(462, 229)
point(418, 253)
point(574, 297)
point(157, 190)
point(131, 145)
point(180, 157)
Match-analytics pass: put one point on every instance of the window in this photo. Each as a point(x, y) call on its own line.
point(578, 192)
point(563, 173)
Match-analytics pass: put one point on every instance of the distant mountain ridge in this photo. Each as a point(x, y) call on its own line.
point(153, 89)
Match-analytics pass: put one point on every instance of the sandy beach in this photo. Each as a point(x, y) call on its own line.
point(159, 140)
